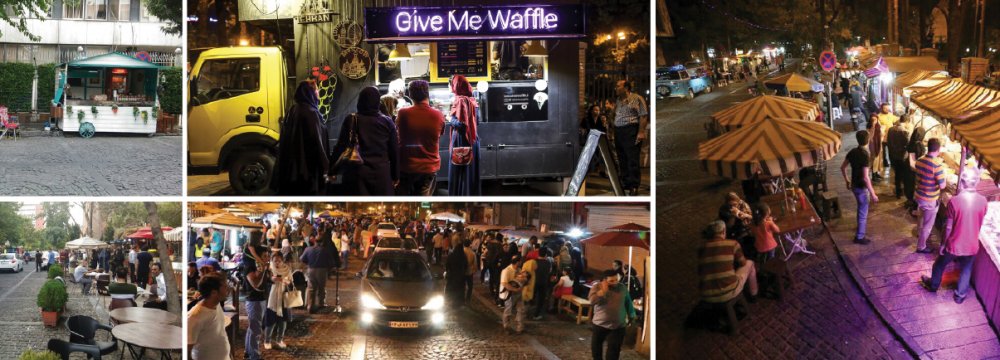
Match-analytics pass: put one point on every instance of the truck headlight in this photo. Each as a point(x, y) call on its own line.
point(435, 303)
point(370, 302)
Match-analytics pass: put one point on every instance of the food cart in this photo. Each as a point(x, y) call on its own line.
point(107, 93)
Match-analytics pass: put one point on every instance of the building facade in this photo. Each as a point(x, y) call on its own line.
point(95, 26)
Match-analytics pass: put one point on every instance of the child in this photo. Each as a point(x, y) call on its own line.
point(563, 287)
point(763, 230)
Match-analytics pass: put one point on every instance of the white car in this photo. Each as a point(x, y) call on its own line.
point(396, 243)
point(10, 262)
point(386, 229)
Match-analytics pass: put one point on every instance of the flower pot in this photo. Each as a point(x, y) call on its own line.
point(50, 318)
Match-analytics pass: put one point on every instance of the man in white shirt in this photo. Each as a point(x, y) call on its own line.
point(131, 264)
point(510, 292)
point(160, 301)
point(206, 321)
point(78, 276)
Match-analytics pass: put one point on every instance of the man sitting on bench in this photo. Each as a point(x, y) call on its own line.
point(78, 275)
point(722, 268)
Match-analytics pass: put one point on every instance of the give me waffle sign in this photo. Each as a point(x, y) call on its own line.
point(401, 24)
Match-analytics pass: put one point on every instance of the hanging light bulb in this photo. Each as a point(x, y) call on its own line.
point(400, 53)
point(535, 49)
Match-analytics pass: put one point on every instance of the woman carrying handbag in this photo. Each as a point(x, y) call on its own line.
point(279, 300)
point(374, 136)
point(463, 168)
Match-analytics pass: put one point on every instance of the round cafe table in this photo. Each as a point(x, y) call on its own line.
point(143, 315)
point(138, 337)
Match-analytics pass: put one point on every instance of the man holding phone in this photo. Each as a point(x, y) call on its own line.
point(613, 312)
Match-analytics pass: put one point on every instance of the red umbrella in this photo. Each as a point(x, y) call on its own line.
point(631, 235)
point(147, 233)
point(629, 227)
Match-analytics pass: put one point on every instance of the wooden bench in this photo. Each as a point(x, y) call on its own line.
point(583, 309)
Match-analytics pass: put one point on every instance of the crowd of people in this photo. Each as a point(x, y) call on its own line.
point(389, 146)
point(526, 279)
point(626, 122)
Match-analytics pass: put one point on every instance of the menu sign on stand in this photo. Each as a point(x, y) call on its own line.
point(468, 58)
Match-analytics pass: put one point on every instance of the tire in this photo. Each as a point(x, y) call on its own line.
point(662, 91)
point(708, 89)
point(690, 94)
point(250, 174)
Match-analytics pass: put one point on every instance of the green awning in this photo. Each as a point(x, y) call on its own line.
point(112, 60)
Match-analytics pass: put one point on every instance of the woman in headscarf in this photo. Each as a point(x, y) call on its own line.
point(378, 143)
point(463, 180)
point(302, 162)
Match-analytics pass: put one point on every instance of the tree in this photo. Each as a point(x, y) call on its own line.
point(57, 225)
point(957, 11)
point(173, 301)
point(169, 11)
point(18, 12)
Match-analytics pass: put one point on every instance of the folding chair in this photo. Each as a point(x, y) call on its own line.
point(12, 127)
point(4, 119)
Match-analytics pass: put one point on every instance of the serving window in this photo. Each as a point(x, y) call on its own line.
point(477, 60)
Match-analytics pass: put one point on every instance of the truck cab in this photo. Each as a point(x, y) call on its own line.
point(235, 108)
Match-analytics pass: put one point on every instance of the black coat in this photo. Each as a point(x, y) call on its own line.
point(302, 152)
point(455, 266)
point(378, 142)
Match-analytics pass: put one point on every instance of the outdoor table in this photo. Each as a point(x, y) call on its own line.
point(152, 336)
point(144, 316)
point(792, 225)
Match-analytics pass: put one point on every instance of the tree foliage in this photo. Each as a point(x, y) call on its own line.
point(58, 229)
point(128, 216)
point(170, 11)
point(18, 11)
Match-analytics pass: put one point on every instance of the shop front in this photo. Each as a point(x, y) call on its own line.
point(107, 93)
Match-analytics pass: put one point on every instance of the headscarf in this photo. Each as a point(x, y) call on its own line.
point(464, 106)
point(368, 101)
point(388, 105)
point(305, 94)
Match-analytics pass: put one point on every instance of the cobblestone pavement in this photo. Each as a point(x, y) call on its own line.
point(21, 323)
point(823, 316)
point(471, 332)
point(105, 165)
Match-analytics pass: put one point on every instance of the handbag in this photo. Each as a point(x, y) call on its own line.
point(352, 152)
point(293, 298)
point(460, 155)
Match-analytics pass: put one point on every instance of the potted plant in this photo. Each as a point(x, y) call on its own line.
point(93, 110)
point(145, 117)
point(52, 299)
point(79, 116)
point(38, 355)
point(156, 111)
point(69, 109)
point(114, 109)
point(135, 112)
point(55, 270)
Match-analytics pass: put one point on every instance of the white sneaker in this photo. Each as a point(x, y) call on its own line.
point(267, 346)
point(282, 345)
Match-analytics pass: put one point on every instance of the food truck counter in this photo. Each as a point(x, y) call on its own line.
point(986, 268)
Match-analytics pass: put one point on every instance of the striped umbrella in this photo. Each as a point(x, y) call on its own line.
point(981, 134)
point(762, 107)
point(794, 82)
point(956, 99)
point(773, 146)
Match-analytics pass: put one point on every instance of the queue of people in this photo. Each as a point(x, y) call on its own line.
point(389, 146)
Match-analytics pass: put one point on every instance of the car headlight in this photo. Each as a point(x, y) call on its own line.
point(370, 302)
point(435, 303)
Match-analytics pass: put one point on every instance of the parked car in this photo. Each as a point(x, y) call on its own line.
point(396, 243)
point(398, 291)
point(386, 229)
point(681, 81)
point(10, 262)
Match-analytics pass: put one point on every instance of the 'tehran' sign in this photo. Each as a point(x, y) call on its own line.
point(474, 22)
point(314, 12)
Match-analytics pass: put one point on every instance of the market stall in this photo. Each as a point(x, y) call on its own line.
point(762, 107)
point(915, 81)
point(108, 93)
point(233, 228)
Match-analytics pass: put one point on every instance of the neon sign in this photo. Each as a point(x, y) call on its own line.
point(473, 22)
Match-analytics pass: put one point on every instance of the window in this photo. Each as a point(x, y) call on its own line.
point(120, 10)
point(417, 68)
point(144, 14)
point(73, 10)
point(226, 78)
point(510, 63)
point(95, 9)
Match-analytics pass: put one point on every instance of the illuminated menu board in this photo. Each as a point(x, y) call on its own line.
point(467, 58)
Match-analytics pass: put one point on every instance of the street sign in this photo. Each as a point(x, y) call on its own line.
point(828, 61)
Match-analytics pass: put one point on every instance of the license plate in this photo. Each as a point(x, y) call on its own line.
point(403, 324)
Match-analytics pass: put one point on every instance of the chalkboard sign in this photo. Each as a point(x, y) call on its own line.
point(597, 144)
point(468, 58)
point(516, 104)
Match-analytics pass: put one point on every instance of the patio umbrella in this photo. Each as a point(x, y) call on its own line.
point(446, 216)
point(762, 107)
point(225, 221)
point(146, 233)
point(630, 235)
point(86, 243)
point(773, 146)
point(794, 82)
point(174, 235)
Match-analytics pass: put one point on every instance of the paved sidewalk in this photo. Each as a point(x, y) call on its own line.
point(932, 324)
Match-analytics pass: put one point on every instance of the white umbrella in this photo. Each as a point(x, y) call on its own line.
point(86, 242)
point(446, 216)
point(175, 235)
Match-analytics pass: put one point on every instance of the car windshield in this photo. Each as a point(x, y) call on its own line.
point(398, 269)
point(6, 256)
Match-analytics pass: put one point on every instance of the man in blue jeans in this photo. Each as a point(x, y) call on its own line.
point(256, 301)
point(860, 182)
point(966, 212)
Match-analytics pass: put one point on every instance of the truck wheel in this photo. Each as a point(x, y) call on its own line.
point(250, 174)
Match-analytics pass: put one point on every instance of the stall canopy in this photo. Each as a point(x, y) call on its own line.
point(762, 107)
point(794, 82)
point(918, 80)
point(90, 68)
point(874, 66)
point(86, 242)
point(174, 235)
point(446, 216)
point(225, 221)
point(955, 99)
point(902, 64)
point(981, 134)
point(773, 146)
point(146, 233)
